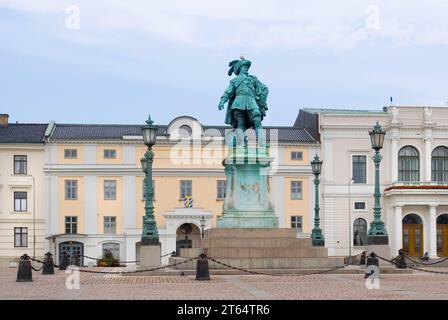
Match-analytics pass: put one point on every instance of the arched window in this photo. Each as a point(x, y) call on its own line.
point(185, 131)
point(113, 248)
point(408, 164)
point(359, 232)
point(439, 164)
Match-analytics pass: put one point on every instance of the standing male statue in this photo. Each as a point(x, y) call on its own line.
point(247, 100)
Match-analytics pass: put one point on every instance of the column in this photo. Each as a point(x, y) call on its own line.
point(427, 165)
point(432, 232)
point(394, 159)
point(398, 229)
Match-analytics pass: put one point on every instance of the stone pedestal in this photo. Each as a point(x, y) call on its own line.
point(382, 250)
point(150, 256)
point(247, 203)
point(258, 248)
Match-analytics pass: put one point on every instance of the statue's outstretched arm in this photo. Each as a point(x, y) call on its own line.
point(226, 96)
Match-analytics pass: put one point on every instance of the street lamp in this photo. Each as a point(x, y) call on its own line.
point(317, 236)
point(377, 234)
point(202, 221)
point(150, 235)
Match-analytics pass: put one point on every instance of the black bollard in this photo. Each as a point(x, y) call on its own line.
point(372, 260)
point(400, 261)
point(63, 264)
point(24, 273)
point(202, 272)
point(48, 267)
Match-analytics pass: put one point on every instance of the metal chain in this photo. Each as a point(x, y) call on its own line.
point(428, 271)
point(273, 274)
point(137, 271)
point(426, 264)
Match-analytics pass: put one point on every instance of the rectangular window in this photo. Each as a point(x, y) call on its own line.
point(185, 189)
point(71, 224)
point(70, 153)
point(110, 154)
point(296, 223)
point(20, 237)
point(110, 225)
point(296, 190)
point(221, 189)
point(359, 169)
point(71, 189)
point(296, 155)
point(360, 206)
point(153, 189)
point(110, 190)
point(20, 164)
point(20, 201)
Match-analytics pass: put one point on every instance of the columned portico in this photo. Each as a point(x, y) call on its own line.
point(433, 232)
point(398, 217)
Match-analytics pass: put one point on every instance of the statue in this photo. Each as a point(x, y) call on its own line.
point(428, 114)
point(246, 97)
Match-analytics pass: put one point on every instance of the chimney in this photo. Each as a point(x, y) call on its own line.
point(4, 119)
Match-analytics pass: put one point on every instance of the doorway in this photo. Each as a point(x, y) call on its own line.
point(442, 235)
point(74, 251)
point(413, 235)
point(188, 235)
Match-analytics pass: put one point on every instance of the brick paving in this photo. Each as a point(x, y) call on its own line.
point(224, 287)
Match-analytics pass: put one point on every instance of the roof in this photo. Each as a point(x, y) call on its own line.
point(22, 133)
point(113, 132)
point(342, 111)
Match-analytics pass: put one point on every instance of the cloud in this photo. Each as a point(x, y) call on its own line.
point(261, 24)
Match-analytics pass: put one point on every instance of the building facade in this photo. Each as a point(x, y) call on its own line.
point(22, 190)
point(94, 185)
point(414, 177)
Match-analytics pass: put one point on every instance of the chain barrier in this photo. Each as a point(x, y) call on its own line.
point(37, 269)
point(273, 274)
point(413, 268)
point(426, 264)
point(124, 262)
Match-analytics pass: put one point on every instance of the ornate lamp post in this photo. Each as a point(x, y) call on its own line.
point(377, 233)
point(150, 235)
point(317, 236)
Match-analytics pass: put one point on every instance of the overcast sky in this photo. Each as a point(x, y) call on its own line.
point(127, 58)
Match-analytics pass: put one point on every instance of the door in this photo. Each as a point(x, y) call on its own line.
point(442, 240)
point(413, 239)
point(74, 250)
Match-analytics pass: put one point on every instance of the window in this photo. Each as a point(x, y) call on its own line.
point(359, 169)
point(408, 164)
point(296, 190)
point(20, 164)
point(110, 225)
point(359, 232)
point(360, 206)
point(70, 153)
point(113, 248)
point(185, 189)
point(71, 189)
point(110, 154)
point(20, 237)
point(185, 131)
point(439, 163)
point(110, 189)
point(20, 201)
point(153, 189)
point(71, 224)
point(296, 223)
point(221, 189)
point(296, 155)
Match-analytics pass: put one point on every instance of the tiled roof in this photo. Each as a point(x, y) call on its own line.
point(22, 133)
point(116, 132)
point(342, 111)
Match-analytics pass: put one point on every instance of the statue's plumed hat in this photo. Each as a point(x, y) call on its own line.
point(235, 65)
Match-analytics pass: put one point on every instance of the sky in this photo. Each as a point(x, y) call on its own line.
point(115, 61)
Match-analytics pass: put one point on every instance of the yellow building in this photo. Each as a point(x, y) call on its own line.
point(22, 190)
point(95, 184)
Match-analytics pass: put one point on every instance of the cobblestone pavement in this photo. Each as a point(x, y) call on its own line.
point(228, 287)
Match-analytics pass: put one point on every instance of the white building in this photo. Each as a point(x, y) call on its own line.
point(414, 177)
